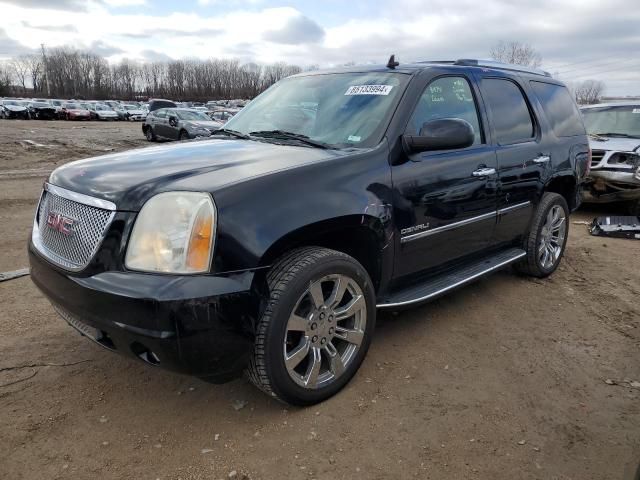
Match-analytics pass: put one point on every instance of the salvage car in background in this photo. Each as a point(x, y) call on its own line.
point(133, 112)
point(178, 124)
point(42, 110)
point(14, 109)
point(75, 111)
point(614, 135)
point(100, 111)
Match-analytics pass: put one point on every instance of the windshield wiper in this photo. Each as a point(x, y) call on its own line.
point(616, 134)
point(597, 137)
point(231, 133)
point(284, 135)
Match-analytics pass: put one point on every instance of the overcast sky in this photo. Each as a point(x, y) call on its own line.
point(578, 39)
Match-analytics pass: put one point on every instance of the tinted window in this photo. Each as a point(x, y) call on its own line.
point(192, 115)
point(510, 114)
point(560, 109)
point(447, 97)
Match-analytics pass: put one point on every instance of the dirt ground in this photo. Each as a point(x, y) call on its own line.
point(509, 378)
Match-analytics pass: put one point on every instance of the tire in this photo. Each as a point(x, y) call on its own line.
point(150, 135)
point(290, 282)
point(535, 263)
point(183, 135)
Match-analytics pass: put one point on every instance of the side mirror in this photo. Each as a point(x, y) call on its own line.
point(173, 120)
point(440, 134)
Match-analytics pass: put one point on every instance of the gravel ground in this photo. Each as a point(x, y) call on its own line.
point(509, 378)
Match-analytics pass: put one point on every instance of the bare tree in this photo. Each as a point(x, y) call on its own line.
point(588, 92)
point(35, 71)
point(20, 68)
point(516, 53)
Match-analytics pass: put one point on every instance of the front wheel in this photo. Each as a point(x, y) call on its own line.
point(150, 135)
point(547, 238)
point(316, 327)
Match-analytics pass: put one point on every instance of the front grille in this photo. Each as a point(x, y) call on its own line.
point(596, 157)
point(72, 250)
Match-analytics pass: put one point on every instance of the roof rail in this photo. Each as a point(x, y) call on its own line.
point(500, 65)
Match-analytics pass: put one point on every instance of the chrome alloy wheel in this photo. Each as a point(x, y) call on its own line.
point(552, 237)
point(325, 331)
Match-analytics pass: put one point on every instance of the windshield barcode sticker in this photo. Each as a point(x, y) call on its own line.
point(369, 90)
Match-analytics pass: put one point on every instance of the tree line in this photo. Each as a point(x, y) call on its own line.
point(71, 73)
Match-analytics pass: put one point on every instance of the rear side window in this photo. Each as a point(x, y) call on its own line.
point(160, 113)
point(510, 113)
point(560, 109)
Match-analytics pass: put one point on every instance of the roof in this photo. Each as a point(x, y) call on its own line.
point(413, 67)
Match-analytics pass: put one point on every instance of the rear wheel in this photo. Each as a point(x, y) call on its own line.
point(316, 327)
point(183, 135)
point(547, 238)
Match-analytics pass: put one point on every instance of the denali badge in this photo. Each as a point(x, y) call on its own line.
point(60, 223)
point(417, 228)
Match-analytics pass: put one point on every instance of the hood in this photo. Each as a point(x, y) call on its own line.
point(129, 178)
point(211, 125)
point(77, 110)
point(48, 107)
point(616, 144)
point(15, 108)
point(135, 112)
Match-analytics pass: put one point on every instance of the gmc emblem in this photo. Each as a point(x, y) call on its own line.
point(60, 223)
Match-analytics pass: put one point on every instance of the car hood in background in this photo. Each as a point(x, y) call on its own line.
point(15, 108)
point(130, 178)
point(78, 111)
point(617, 144)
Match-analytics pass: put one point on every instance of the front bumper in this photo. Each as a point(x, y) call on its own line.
point(605, 186)
point(200, 325)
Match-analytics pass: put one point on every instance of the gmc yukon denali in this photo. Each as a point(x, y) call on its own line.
point(269, 247)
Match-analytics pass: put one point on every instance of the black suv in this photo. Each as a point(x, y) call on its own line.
point(269, 247)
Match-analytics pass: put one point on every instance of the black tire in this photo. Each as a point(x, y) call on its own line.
point(287, 281)
point(633, 208)
point(150, 135)
point(183, 135)
point(531, 263)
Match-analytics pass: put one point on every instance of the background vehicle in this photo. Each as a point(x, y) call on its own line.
point(42, 110)
point(133, 113)
point(221, 116)
point(158, 103)
point(100, 111)
point(614, 130)
point(333, 194)
point(75, 111)
point(10, 108)
point(178, 124)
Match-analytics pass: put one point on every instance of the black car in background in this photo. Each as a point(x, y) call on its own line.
point(42, 110)
point(178, 124)
point(269, 247)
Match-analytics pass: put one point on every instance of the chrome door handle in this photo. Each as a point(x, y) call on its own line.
point(542, 159)
point(484, 172)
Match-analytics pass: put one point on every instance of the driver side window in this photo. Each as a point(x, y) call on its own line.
point(447, 97)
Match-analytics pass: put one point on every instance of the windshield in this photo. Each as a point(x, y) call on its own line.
point(621, 120)
point(102, 108)
point(40, 104)
point(191, 115)
point(131, 107)
point(73, 106)
point(13, 102)
point(342, 109)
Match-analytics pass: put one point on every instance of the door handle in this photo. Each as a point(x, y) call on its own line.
point(484, 172)
point(542, 159)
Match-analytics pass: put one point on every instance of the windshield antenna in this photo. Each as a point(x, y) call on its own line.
point(392, 62)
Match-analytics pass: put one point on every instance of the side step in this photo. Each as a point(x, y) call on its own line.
point(444, 282)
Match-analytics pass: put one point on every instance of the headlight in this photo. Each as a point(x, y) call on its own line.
point(173, 233)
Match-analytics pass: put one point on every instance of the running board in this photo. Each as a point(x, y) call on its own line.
point(442, 283)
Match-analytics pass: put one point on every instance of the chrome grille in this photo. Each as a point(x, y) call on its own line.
point(75, 249)
point(596, 157)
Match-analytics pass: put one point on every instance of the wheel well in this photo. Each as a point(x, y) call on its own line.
point(565, 186)
point(359, 242)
